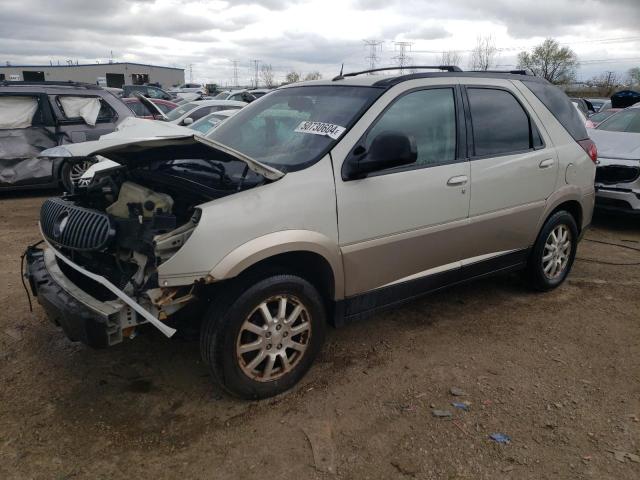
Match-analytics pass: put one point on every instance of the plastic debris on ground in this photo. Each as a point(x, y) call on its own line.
point(457, 392)
point(462, 405)
point(500, 438)
point(441, 413)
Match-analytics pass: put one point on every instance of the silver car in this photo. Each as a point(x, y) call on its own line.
point(618, 171)
point(322, 202)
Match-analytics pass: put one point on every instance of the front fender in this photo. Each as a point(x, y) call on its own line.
point(266, 246)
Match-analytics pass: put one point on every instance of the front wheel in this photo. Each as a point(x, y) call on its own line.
point(263, 339)
point(554, 252)
point(71, 172)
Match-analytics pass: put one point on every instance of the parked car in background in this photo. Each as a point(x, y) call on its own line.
point(584, 105)
point(190, 112)
point(38, 116)
point(618, 172)
point(142, 111)
point(597, 118)
point(322, 202)
point(605, 106)
point(189, 88)
point(259, 92)
point(597, 103)
point(206, 124)
point(237, 95)
point(148, 91)
point(585, 120)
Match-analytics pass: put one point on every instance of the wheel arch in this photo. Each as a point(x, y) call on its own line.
point(309, 254)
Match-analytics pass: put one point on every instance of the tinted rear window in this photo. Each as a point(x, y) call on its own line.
point(560, 106)
point(500, 125)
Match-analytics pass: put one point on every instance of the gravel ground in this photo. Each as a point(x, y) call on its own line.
point(559, 373)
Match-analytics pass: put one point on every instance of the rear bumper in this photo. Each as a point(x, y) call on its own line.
point(82, 317)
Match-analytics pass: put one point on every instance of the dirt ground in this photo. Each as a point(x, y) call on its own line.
point(559, 373)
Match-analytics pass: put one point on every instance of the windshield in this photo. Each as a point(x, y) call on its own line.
point(204, 125)
point(292, 128)
point(221, 96)
point(180, 110)
point(624, 121)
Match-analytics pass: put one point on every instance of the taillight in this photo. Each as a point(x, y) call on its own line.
point(590, 147)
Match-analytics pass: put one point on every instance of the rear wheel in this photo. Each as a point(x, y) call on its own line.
point(263, 340)
point(554, 252)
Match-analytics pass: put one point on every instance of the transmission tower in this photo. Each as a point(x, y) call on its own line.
point(402, 58)
point(235, 72)
point(256, 64)
point(373, 58)
point(191, 72)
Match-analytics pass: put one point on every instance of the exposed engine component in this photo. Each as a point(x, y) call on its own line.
point(136, 200)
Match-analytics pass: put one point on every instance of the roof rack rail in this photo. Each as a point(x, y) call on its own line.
point(69, 83)
point(513, 72)
point(446, 68)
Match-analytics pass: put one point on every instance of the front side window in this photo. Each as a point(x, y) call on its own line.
point(624, 121)
point(500, 124)
point(292, 128)
point(154, 93)
point(426, 116)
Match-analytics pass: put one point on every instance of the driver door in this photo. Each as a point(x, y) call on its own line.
point(400, 229)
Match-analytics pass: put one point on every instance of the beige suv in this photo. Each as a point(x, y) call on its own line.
point(319, 203)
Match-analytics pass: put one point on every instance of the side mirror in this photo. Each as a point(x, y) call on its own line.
point(187, 121)
point(388, 150)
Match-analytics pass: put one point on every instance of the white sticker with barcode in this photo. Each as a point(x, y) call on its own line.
point(320, 128)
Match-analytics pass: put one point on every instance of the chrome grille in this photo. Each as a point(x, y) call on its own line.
point(77, 228)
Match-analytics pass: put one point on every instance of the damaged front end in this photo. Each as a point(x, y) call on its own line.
point(98, 276)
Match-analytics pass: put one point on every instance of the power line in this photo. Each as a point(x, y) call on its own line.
point(373, 57)
point(235, 72)
point(402, 58)
point(255, 67)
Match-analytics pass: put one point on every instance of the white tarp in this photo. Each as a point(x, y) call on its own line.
point(86, 108)
point(17, 112)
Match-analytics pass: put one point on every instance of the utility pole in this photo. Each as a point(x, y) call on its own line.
point(402, 58)
point(372, 58)
point(191, 72)
point(235, 72)
point(256, 64)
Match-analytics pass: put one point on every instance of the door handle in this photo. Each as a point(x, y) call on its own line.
point(457, 180)
point(546, 163)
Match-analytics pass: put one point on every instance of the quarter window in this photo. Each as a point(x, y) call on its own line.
point(427, 116)
point(500, 124)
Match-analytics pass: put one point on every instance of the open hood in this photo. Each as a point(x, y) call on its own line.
point(131, 152)
point(152, 107)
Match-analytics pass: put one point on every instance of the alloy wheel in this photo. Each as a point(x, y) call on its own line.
point(273, 338)
point(557, 251)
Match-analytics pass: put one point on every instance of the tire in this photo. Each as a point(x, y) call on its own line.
point(71, 171)
point(239, 321)
point(552, 258)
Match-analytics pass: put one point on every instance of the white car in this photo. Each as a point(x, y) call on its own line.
point(190, 112)
point(323, 202)
point(189, 88)
point(238, 95)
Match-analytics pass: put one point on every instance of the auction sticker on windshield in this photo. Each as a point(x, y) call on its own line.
point(320, 128)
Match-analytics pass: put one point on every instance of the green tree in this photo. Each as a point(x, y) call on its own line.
point(551, 61)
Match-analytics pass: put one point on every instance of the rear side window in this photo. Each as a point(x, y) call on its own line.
point(500, 124)
point(560, 106)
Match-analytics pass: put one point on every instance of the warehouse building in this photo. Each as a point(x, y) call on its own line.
point(113, 74)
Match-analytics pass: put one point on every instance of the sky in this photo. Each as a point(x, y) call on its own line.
point(206, 37)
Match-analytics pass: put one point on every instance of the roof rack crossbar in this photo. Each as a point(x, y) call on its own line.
point(445, 68)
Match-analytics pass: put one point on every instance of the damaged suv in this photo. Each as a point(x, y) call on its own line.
point(323, 202)
point(36, 116)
